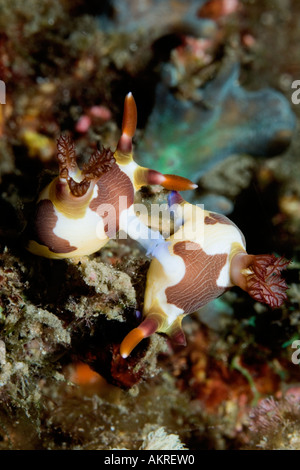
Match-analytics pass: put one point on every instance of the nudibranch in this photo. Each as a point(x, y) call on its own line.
point(204, 257)
point(81, 209)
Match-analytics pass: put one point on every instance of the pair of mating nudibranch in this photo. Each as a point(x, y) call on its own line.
point(80, 210)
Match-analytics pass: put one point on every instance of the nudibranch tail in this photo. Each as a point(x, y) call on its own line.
point(149, 326)
point(259, 275)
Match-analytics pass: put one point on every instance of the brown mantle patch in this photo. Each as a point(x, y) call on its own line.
point(212, 219)
point(199, 285)
point(45, 221)
point(111, 186)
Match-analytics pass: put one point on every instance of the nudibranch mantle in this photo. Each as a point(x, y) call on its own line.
point(80, 210)
point(193, 264)
point(204, 257)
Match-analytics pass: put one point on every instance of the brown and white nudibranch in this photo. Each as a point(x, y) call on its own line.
point(80, 210)
point(205, 256)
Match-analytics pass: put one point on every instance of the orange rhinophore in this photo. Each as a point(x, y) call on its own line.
point(129, 116)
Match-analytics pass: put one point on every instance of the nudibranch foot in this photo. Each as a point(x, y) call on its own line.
point(259, 275)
